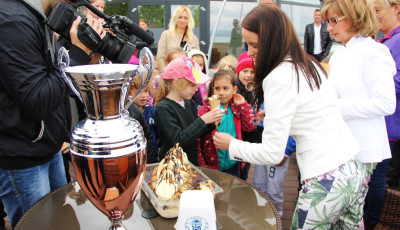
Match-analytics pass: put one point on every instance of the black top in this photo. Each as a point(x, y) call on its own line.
point(179, 125)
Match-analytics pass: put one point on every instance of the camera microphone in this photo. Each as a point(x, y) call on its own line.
point(132, 28)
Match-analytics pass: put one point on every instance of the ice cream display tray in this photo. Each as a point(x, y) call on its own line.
point(170, 208)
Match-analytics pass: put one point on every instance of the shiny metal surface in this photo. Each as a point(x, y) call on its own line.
point(108, 148)
point(101, 87)
point(240, 206)
point(112, 183)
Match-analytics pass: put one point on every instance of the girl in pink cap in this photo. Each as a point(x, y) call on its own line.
point(176, 114)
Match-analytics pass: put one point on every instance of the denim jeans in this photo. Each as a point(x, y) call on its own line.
point(20, 189)
point(376, 193)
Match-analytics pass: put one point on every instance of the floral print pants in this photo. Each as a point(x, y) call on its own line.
point(333, 200)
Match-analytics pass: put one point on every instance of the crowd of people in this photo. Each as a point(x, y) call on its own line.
point(276, 99)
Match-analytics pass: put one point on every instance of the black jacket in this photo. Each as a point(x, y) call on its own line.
point(33, 123)
point(326, 40)
point(140, 44)
point(135, 113)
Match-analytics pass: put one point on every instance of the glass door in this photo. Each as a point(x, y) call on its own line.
point(158, 14)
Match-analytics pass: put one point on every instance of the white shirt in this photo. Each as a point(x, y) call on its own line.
point(312, 118)
point(362, 72)
point(317, 39)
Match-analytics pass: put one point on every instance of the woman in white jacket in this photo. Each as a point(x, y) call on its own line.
point(362, 71)
point(300, 101)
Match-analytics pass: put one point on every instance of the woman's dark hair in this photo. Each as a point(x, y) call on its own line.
point(277, 40)
point(220, 74)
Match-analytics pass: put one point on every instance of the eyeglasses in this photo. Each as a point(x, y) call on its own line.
point(334, 21)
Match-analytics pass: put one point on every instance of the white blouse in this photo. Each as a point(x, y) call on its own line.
point(312, 118)
point(362, 72)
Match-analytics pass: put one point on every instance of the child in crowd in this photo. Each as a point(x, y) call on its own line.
point(176, 115)
point(228, 62)
point(235, 119)
point(172, 53)
point(200, 58)
point(142, 106)
point(245, 75)
point(270, 179)
point(155, 79)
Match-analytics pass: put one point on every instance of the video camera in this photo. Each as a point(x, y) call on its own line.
point(115, 48)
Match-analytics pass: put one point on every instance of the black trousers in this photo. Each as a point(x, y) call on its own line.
point(319, 57)
point(393, 170)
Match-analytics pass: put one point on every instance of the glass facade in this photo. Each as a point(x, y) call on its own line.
point(227, 39)
point(300, 16)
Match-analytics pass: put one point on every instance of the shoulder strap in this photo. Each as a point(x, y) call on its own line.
point(50, 43)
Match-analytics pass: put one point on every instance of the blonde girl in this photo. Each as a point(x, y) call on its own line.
point(176, 114)
point(228, 62)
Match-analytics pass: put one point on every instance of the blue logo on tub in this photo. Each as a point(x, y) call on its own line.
point(196, 223)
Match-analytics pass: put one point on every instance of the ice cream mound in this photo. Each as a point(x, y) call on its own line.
point(174, 175)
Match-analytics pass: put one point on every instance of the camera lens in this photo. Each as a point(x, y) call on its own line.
point(116, 49)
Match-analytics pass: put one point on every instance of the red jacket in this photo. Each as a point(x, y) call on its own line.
point(208, 155)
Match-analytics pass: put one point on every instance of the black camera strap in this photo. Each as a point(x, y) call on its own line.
point(50, 43)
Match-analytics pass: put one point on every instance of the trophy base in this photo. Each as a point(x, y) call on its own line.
point(116, 224)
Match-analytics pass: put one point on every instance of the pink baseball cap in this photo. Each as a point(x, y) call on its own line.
point(185, 67)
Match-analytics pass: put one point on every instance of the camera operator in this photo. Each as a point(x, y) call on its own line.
point(33, 123)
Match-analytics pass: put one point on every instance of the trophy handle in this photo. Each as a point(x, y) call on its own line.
point(144, 81)
point(63, 61)
point(72, 86)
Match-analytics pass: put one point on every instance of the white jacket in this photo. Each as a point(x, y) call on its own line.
point(362, 72)
point(312, 118)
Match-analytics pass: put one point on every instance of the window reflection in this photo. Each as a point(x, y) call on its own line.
point(224, 43)
point(155, 17)
point(300, 16)
point(119, 8)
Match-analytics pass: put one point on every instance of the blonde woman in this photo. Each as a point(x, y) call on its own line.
point(179, 34)
point(362, 71)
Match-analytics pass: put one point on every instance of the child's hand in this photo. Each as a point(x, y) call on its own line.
point(238, 99)
point(65, 148)
point(252, 117)
point(212, 116)
point(260, 116)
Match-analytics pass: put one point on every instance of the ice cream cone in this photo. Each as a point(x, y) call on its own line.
point(214, 103)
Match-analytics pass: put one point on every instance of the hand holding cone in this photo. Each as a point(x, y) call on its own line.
point(214, 103)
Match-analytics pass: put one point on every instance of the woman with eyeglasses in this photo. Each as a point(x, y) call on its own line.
point(300, 101)
point(362, 71)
